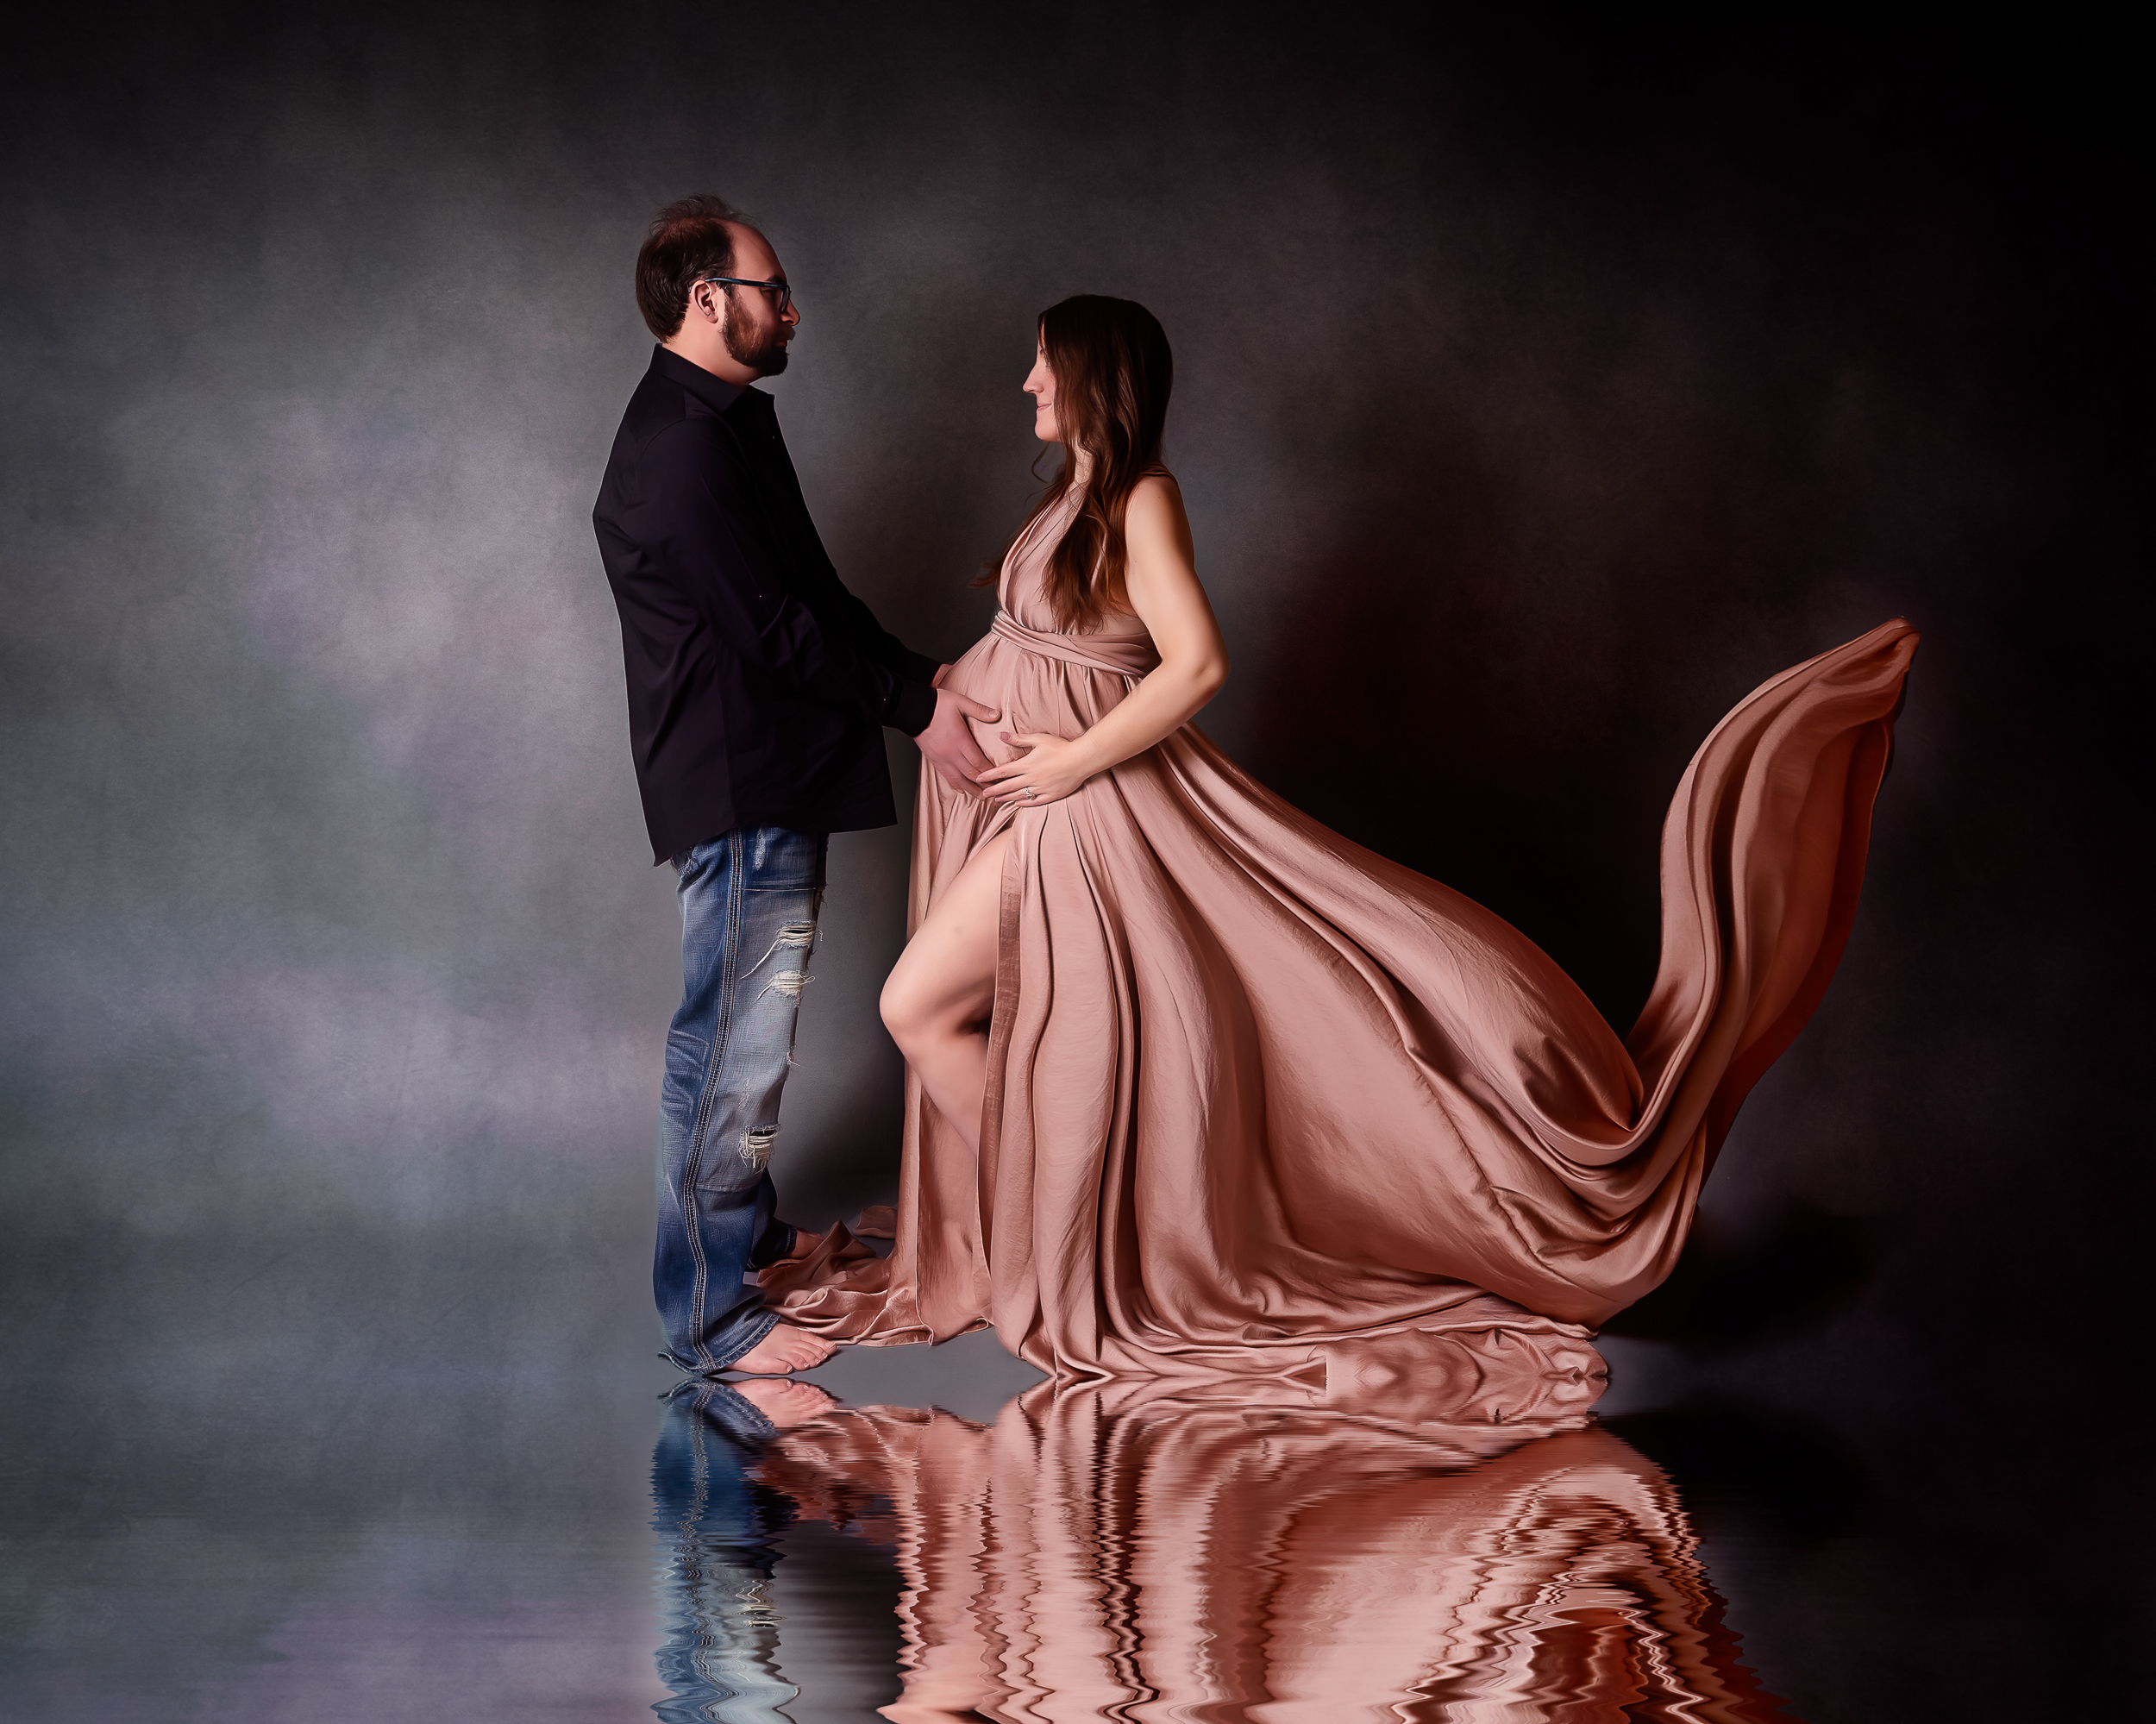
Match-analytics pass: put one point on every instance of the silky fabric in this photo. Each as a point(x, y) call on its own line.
point(1147, 1549)
point(1252, 1087)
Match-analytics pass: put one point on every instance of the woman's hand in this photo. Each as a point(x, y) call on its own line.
point(1049, 769)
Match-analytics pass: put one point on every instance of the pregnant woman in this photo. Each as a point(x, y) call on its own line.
point(1195, 1084)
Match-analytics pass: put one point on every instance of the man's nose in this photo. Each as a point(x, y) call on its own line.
point(792, 315)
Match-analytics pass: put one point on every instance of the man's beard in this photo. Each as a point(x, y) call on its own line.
point(762, 352)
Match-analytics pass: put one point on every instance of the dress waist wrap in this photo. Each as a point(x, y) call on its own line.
point(1119, 655)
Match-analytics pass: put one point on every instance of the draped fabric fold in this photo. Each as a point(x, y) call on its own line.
point(1253, 1087)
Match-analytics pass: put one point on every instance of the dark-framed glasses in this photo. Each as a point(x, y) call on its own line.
point(784, 292)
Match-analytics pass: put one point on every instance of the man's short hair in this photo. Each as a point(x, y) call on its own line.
point(689, 241)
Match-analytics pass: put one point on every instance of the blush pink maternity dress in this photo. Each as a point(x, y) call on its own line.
point(1253, 1089)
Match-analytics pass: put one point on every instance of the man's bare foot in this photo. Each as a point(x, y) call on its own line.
point(803, 1244)
point(784, 1349)
point(784, 1402)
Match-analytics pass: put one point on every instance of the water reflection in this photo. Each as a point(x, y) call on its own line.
point(1424, 1528)
point(718, 1528)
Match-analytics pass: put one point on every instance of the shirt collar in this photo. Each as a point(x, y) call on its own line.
point(715, 392)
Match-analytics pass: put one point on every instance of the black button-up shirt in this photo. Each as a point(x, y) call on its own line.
point(757, 684)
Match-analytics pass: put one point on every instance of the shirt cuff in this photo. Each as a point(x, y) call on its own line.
point(913, 705)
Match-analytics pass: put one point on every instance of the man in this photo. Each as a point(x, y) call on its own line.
point(757, 686)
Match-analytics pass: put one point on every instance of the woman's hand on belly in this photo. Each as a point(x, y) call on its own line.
point(1047, 769)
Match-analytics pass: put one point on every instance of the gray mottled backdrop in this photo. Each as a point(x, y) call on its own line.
point(1541, 390)
point(1539, 394)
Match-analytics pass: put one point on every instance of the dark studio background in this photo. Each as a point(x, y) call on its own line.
point(1542, 388)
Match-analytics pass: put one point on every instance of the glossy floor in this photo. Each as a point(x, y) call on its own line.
point(1417, 1540)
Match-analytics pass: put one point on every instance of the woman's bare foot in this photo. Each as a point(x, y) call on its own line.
point(784, 1402)
point(784, 1349)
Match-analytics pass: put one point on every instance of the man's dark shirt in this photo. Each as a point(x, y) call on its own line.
point(757, 684)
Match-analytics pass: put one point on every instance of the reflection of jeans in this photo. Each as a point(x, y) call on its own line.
point(749, 902)
point(715, 1526)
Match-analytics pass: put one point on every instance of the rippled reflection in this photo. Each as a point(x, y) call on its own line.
point(717, 1528)
point(1429, 1529)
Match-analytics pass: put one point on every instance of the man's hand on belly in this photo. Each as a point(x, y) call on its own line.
point(948, 741)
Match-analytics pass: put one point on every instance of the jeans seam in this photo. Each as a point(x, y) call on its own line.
point(693, 1163)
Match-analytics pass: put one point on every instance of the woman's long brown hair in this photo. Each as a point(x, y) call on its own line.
point(1113, 372)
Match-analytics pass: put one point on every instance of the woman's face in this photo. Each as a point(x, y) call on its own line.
point(1040, 383)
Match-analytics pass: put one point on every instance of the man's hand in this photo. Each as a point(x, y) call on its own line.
point(948, 741)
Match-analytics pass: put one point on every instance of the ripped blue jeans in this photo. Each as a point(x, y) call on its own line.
point(749, 903)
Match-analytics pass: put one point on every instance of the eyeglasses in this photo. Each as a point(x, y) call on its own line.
point(784, 292)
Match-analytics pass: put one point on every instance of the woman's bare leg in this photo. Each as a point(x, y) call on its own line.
point(937, 1001)
point(938, 998)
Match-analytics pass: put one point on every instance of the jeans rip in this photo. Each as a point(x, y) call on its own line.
point(749, 900)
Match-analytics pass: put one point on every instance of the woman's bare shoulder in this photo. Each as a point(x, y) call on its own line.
point(1157, 528)
point(1157, 494)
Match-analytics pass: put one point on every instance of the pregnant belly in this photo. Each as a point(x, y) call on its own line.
point(1033, 694)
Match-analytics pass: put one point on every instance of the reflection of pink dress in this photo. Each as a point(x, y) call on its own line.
point(1100, 1555)
point(1251, 1086)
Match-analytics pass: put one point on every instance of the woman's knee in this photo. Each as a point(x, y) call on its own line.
point(908, 1012)
point(920, 1008)
point(897, 1007)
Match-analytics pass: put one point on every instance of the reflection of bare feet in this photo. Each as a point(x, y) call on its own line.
point(784, 1349)
point(784, 1402)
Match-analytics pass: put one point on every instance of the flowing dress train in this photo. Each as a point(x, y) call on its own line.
point(1252, 1087)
